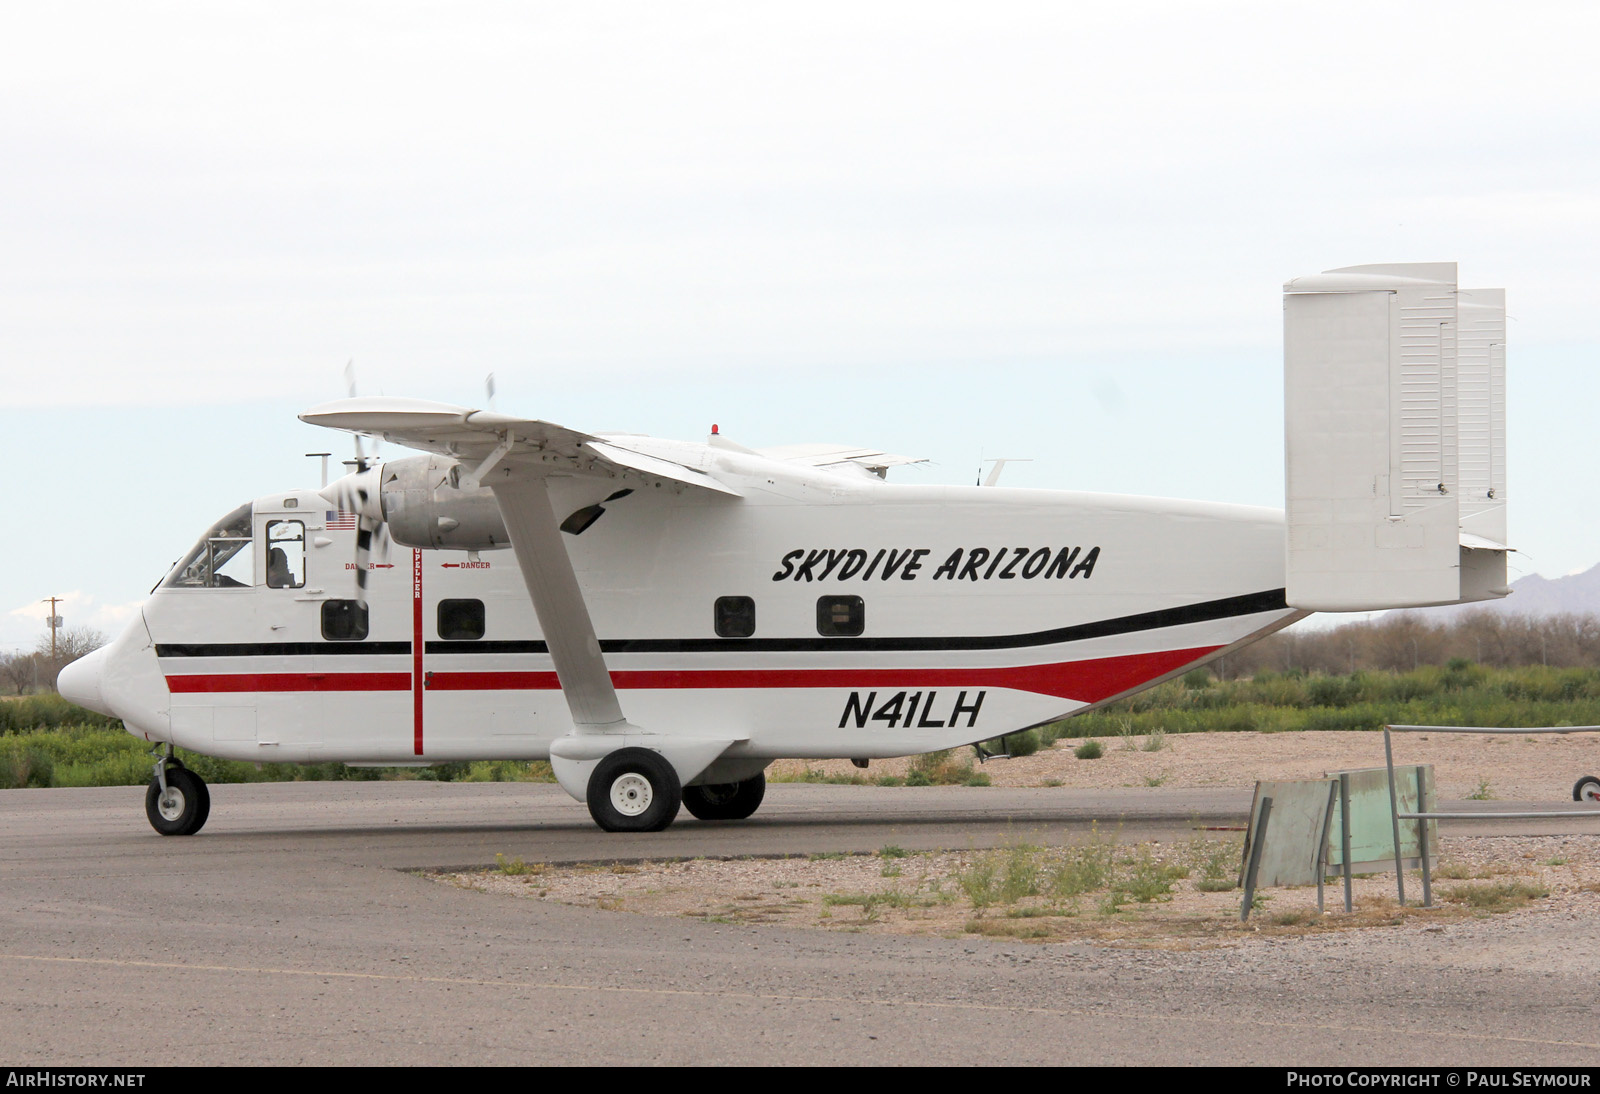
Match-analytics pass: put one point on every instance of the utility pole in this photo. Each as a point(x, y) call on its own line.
point(55, 621)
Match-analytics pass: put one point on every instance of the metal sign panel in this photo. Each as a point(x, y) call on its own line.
point(1371, 826)
point(1293, 833)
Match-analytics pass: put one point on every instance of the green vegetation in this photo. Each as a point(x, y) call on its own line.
point(1025, 743)
point(48, 710)
point(943, 768)
point(1498, 896)
point(516, 867)
point(90, 752)
point(1089, 750)
point(1272, 702)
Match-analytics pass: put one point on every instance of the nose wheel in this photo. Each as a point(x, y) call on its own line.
point(1587, 790)
point(177, 801)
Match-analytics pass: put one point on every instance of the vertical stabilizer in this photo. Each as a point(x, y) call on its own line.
point(1394, 417)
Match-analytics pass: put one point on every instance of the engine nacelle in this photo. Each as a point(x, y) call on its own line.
point(425, 506)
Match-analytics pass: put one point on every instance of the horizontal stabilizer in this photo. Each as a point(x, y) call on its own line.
point(1394, 421)
point(838, 455)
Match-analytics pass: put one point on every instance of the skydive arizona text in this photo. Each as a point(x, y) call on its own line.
point(963, 564)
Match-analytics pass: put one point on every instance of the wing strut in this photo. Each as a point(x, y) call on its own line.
point(558, 602)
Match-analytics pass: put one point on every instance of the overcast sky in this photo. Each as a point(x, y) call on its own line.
point(1052, 230)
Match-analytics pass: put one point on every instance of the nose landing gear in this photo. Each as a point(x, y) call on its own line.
point(177, 801)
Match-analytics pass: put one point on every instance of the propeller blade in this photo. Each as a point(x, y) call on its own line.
point(350, 391)
point(358, 493)
point(364, 532)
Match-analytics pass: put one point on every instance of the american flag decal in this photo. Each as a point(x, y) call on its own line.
point(341, 521)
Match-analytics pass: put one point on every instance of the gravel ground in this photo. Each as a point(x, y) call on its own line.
point(1515, 768)
point(932, 894)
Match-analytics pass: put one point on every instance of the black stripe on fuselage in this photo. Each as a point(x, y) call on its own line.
point(278, 649)
point(1250, 604)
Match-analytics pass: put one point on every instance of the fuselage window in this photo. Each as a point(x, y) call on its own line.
point(461, 620)
point(841, 616)
point(343, 621)
point(286, 554)
point(735, 617)
point(221, 560)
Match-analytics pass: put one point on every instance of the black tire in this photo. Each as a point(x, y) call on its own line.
point(1587, 789)
point(634, 790)
point(188, 807)
point(726, 801)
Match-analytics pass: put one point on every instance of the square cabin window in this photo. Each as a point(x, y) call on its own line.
point(343, 621)
point(461, 620)
point(840, 616)
point(735, 616)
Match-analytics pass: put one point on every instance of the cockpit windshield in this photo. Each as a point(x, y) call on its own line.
point(221, 560)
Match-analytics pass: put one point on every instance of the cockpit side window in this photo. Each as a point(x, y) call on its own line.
point(221, 560)
point(286, 554)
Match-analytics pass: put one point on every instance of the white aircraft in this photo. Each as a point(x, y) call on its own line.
point(661, 620)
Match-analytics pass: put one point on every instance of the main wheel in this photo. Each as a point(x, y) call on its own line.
point(726, 801)
point(634, 790)
point(1587, 790)
point(184, 809)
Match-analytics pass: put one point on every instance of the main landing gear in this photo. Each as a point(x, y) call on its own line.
point(634, 790)
point(637, 790)
point(726, 801)
point(177, 801)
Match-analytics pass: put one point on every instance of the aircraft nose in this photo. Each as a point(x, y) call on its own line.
point(79, 682)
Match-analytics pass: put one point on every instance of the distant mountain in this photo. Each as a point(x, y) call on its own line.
point(1575, 594)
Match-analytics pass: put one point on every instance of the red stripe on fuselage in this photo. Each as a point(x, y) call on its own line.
point(289, 681)
point(1087, 681)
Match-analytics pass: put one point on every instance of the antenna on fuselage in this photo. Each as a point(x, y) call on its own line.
point(324, 455)
point(999, 465)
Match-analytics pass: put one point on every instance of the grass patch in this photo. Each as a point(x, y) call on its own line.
point(517, 868)
point(809, 774)
point(942, 768)
point(1497, 896)
point(1082, 868)
point(1089, 750)
point(1458, 871)
point(1217, 862)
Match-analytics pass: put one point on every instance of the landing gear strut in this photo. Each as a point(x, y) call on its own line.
point(177, 801)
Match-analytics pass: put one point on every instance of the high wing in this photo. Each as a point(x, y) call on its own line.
point(483, 440)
